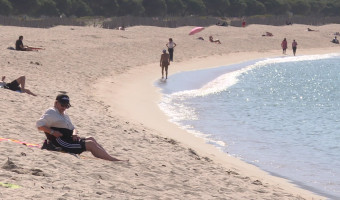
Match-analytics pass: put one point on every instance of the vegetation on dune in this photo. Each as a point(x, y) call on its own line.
point(156, 8)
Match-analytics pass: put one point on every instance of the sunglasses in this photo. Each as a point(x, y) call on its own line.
point(65, 105)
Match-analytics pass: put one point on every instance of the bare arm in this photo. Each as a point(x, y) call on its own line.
point(50, 131)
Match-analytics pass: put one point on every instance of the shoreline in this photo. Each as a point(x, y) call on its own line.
point(147, 94)
point(109, 76)
point(211, 75)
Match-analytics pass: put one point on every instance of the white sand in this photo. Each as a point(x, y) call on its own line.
point(109, 77)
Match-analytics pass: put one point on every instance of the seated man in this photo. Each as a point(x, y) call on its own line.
point(215, 41)
point(15, 85)
point(60, 131)
point(20, 46)
point(335, 40)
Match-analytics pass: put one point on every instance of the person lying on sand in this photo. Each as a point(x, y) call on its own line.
point(15, 85)
point(308, 29)
point(19, 46)
point(211, 39)
point(60, 131)
point(269, 34)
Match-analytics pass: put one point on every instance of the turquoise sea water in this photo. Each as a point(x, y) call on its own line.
point(280, 114)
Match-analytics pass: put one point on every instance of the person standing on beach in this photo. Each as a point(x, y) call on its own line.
point(171, 45)
point(60, 131)
point(164, 63)
point(284, 46)
point(294, 46)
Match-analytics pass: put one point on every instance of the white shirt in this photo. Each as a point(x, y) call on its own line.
point(171, 45)
point(53, 118)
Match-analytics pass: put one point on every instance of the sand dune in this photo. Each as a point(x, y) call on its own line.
point(109, 77)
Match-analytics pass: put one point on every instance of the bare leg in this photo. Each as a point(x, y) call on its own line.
point(21, 81)
point(29, 92)
point(98, 151)
point(95, 141)
point(162, 71)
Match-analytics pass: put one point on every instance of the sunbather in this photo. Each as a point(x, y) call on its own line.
point(15, 85)
point(20, 46)
point(211, 39)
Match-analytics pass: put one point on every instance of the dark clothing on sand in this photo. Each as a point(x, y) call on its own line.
point(18, 45)
point(14, 85)
point(66, 142)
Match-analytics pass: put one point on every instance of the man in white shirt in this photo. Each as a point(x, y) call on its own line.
point(61, 133)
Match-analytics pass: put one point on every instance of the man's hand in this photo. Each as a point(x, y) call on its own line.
point(75, 137)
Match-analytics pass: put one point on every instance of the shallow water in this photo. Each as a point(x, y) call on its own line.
point(280, 114)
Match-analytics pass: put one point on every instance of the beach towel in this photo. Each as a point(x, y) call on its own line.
point(9, 185)
point(20, 142)
point(47, 146)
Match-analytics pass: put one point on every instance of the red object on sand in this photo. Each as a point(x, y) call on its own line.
point(196, 30)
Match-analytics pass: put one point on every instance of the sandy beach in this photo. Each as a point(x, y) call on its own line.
point(109, 76)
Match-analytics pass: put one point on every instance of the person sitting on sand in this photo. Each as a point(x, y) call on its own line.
point(164, 63)
point(15, 85)
point(211, 39)
point(335, 40)
point(60, 131)
point(19, 46)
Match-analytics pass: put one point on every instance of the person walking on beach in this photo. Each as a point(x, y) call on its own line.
point(60, 131)
point(294, 46)
point(15, 85)
point(171, 46)
point(284, 46)
point(164, 63)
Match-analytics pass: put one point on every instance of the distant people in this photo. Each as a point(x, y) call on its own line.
point(284, 46)
point(335, 40)
point(171, 46)
point(122, 28)
point(211, 39)
point(200, 38)
point(294, 46)
point(222, 24)
point(243, 23)
point(61, 133)
point(19, 46)
point(288, 22)
point(164, 63)
point(15, 85)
